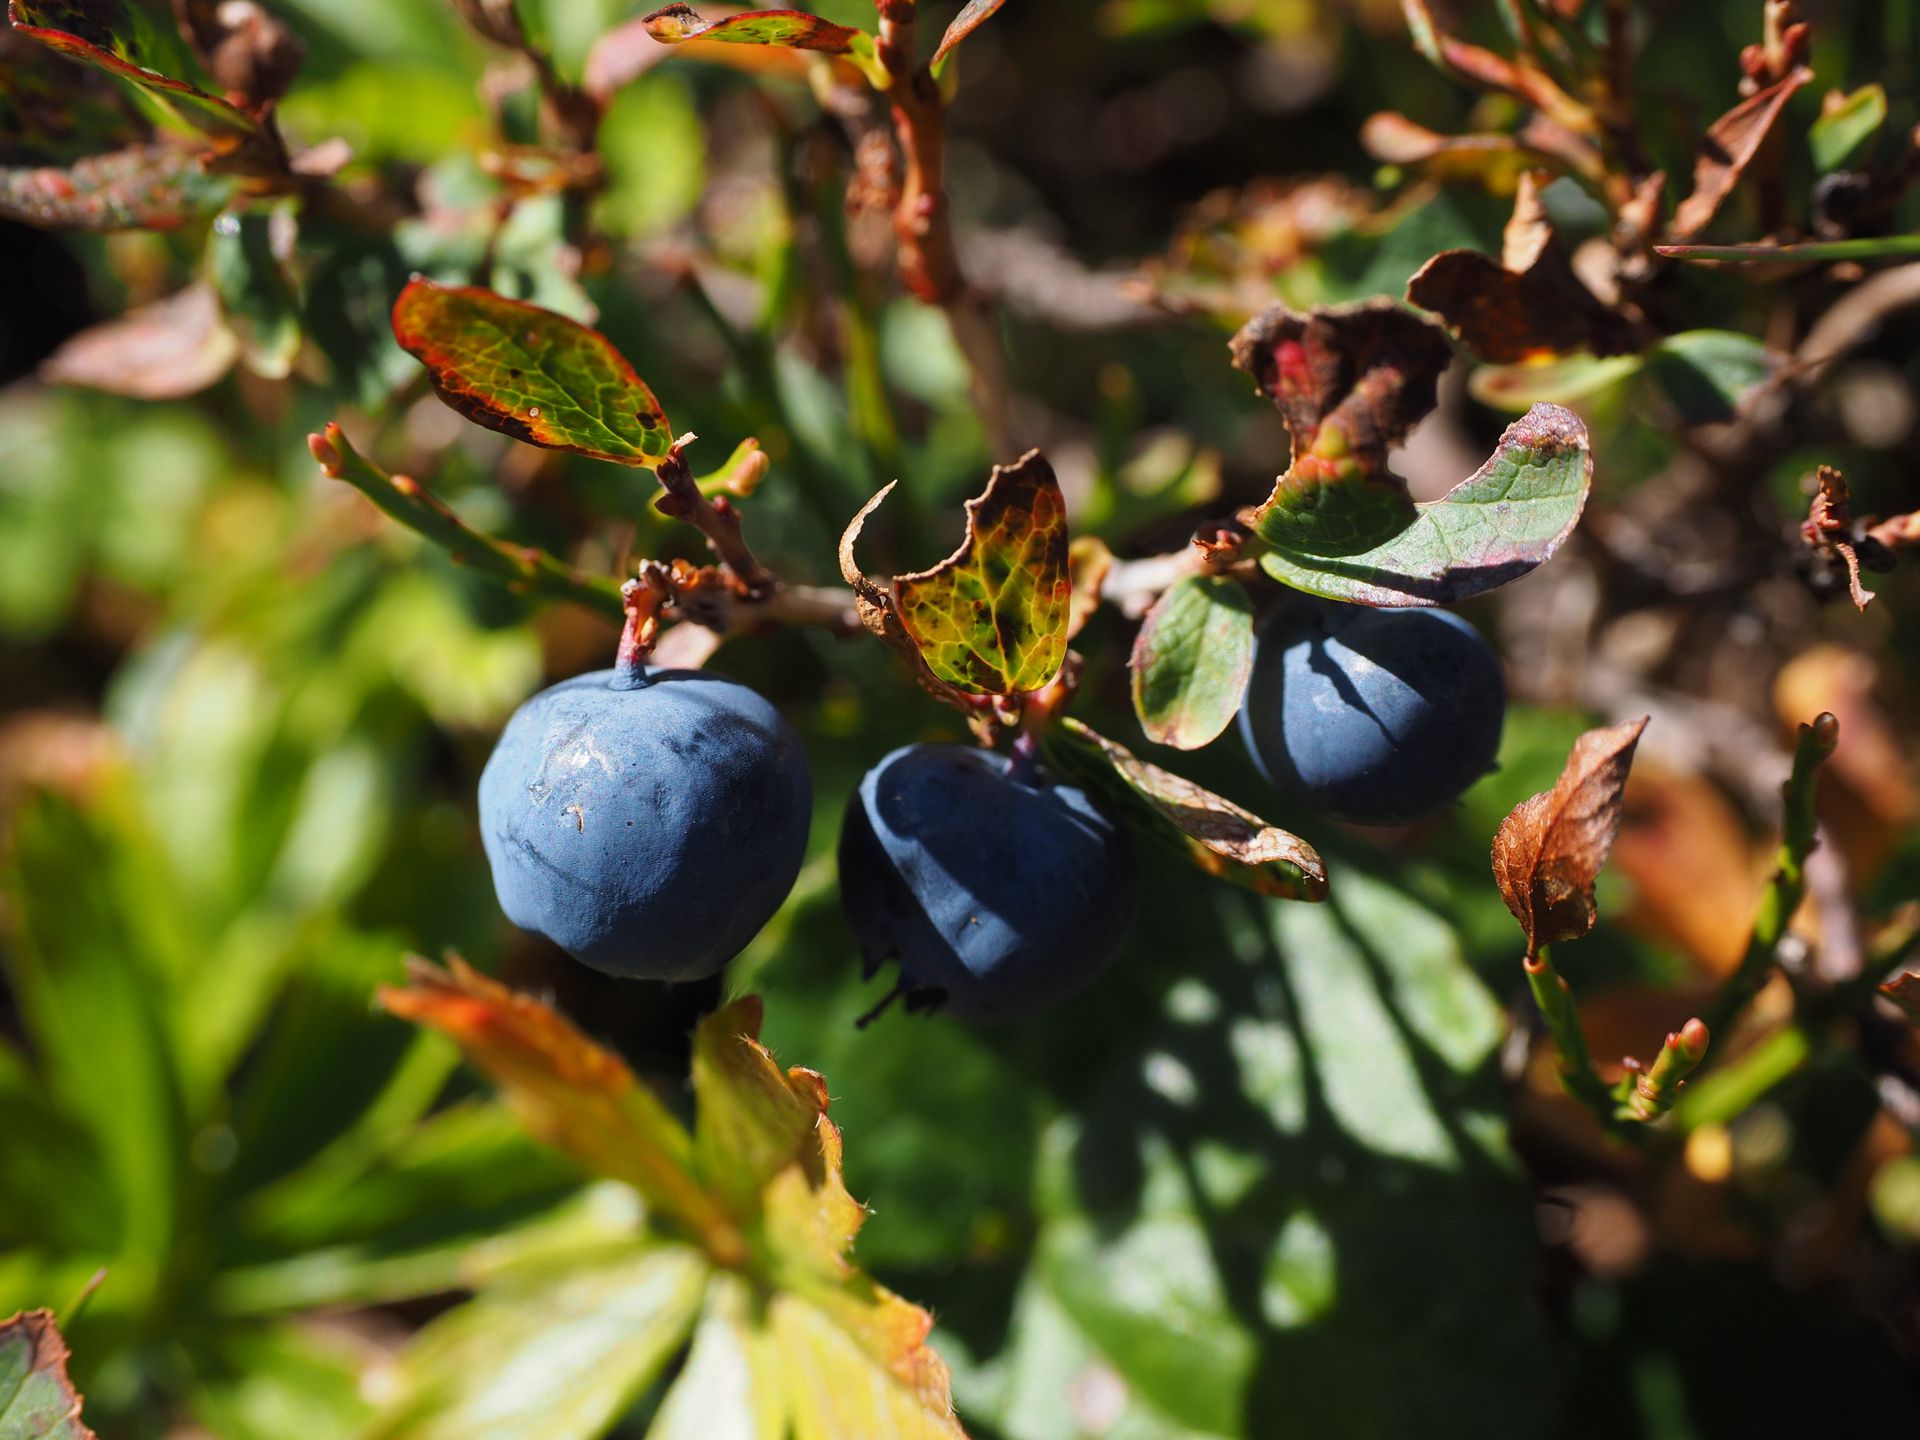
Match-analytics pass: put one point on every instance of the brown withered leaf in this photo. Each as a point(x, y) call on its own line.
point(1493, 160)
point(1548, 852)
point(1730, 144)
point(162, 351)
point(1525, 305)
point(37, 1400)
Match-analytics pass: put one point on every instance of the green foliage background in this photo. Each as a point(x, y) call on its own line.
point(1258, 1182)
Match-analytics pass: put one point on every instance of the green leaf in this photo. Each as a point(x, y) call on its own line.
point(1214, 834)
point(1843, 130)
point(37, 1400)
point(1709, 375)
point(1505, 520)
point(790, 29)
point(1191, 661)
point(730, 1384)
point(530, 373)
point(55, 111)
point(992, 617)
point(972, 16)
point(261, 307)
point(143, 187)
point(126, 40)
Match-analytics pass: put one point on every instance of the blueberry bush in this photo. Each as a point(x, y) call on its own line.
point(1374, 890)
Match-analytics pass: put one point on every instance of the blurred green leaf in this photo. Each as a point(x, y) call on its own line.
point(255, 291)
point(1709, 375)
point(655, 156)
point(1191, 660)
point(1843, 130)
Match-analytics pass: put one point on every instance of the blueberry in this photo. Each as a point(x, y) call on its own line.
point(1375, 716)
point(997, 895)
point(650, 831)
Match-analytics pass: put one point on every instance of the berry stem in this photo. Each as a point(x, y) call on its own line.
point(644, 597)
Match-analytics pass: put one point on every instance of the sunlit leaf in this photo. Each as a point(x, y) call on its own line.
point(1505, 520)
point(1560, 381)
point(37, 1400)
point(127, 40)
point(1729, 146)
point(1215, 835)
point(992, 617)
point(145, 187)
point(530, 373)
point(1191, 661)
point(1846, 124)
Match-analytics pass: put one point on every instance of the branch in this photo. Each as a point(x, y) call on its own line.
point(1650, 1093)
point(1562, 1017)
point(717, 518)
point(1788, 885)
point(524, 568)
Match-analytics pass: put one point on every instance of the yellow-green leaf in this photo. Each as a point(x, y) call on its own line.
point(992, 617)
point(1191, 661)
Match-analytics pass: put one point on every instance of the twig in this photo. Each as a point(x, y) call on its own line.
point(1650, 1093)
point(1562, 1018)
point(1788, 885)
point(525, 568)
point(717, 518)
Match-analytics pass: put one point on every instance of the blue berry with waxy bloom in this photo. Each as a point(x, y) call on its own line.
point(998, 892)
point(649, 822)
point(1377, 716)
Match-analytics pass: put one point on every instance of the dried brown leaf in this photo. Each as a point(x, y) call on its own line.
point(163, 351)
point(1729, 147)
point(1549, 851)
point(1828, 528)
point(1904, 991)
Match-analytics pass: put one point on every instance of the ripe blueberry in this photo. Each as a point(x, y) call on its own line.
point(1374, 716)
point(648, 831)
point(997, 895)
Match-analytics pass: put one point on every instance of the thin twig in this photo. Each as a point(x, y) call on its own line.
point(1562, 1019)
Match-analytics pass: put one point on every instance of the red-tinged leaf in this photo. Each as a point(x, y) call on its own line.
point(1526, 305)
point(54, 111)
point(146, 187)
point(568, 1091)
point(37, 1400)
point(132, 43)
point(806, 1344)
point(1549, 851)
point(1191, 661)
point(1730, 145)
point(786, 29)
point(992, 617)
point(1505, 520)
point(1350, 382)
point(531, 373)
point(972, 16)
point(1214, 834)
point(162, 351)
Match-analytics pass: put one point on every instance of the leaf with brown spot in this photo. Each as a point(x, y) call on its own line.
point(1526, 305)
point(1214, 834)
point(992, 617)
point(1549, 851)
point(144, 187)
point(161, 351)
point(531, 373)
point(1730, 145)
point(37, 1399)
